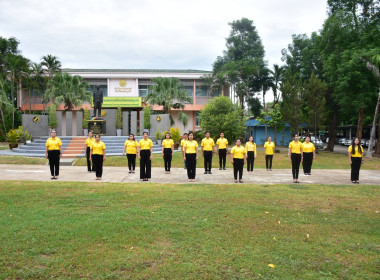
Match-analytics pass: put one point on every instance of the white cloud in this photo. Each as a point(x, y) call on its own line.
point(149, 33)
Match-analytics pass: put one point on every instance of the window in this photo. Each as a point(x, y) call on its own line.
point(203, 91)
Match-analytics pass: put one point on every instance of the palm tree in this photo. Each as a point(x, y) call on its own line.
point(277, 74)
point(6, 106)
point(52, 64)
point(17, 66)
point(169, 93)
point(36, 80)
point(70, 90)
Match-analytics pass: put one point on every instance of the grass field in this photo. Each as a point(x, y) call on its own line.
point(324, 160)
point(124, 231)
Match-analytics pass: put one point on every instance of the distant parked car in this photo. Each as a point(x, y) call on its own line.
point(373, 144)
point(327, 140)
point(363, 142)
point(317, 142)
point(348, 142)
point(342, 141)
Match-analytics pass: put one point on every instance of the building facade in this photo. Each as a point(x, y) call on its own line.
point(127, 88)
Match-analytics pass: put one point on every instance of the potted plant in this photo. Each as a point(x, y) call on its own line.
point(52, 117)
point(147, 124)
point(174, 132)
point(86, 117)
point(28, 137)
point(119, 121)
point(158, 137)
point(13, 138)
point(21, 134)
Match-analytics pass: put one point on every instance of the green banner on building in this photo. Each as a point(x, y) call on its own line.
point(123, 102)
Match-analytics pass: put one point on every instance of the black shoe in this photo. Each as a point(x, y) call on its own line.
point(206, 172)
point(220, 168)
point(209, 172)
point(224, 168)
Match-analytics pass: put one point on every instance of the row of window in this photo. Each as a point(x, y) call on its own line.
point(200, 91)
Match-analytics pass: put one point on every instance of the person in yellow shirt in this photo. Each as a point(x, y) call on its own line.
point(167, 151)
point(207, 152)
point(90, 139)
point(307, 155)
point(183, 141)
point(269, 152)
point(53, 152)
point(222, 148)
point(355, 156)
point(98, 156)
point(130, 146)
point(145, 152)
point(250, 146)
point(191, 157)
point(295, 157)
point(238, 159)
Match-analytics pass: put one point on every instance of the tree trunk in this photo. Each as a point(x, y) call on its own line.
point(333, 124)
point(377, 149)
point(373, 130)
point(359, 131)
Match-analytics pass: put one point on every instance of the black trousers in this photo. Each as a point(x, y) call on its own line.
point(168, 158)
point(355, 168)
point(238, 167)
point(97, 161)
point(191, 165)
point(296, 160)
point(250, 161)
point(145, 164)
point(268, 161)
point(89, 163)
point(207, 160)
point(53, 157)
point(307, 162)
point(222, 158)
point(131, 161)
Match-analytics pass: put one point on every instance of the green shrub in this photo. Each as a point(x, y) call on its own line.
point(86, 117)
point(119, 119)
point(53, 122)
point(147, 113)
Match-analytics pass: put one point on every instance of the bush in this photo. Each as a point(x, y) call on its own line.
point(147, 113)
point(158, 135)
point(174, 132)
point(53, 122)
point(13, 136)
point(199, 135)
point(86, 117)
point(119, 119)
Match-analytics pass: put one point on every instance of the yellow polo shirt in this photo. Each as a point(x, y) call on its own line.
point(307, 147)
point(269, 147)
point(191, 146)
point(167, 143)
point(131, 146)
point(53, 144)
point(356, 151)
point(145, 144)
point(98, 148)
point(238, 152)
point(183, 141)
point(295, 147)
point(250, 147)
point(207, 144)
point(222, 142)
point(89, 141)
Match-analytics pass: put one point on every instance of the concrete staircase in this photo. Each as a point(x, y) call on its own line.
point(73, 146)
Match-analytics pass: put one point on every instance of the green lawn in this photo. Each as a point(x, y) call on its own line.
point(324, 160)
point(151, 231)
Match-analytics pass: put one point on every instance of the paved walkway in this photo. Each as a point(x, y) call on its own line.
point(179, 175)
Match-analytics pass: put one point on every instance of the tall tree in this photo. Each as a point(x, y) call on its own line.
point(277, 74)
point(6, 106)
point(52, 65)
point(242, 62)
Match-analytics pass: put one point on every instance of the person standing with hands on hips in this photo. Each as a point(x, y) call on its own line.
point(145, 152)
point(98, 156)
point(307, 154)
point(191, 157)
point(222, 148)
point(88, 144)
point(269, 151)
point(130, 146)
point(238, 159)
point(167, 151)
point(355, 156)
point(53, 152)
point(207, 152)
point(295, 151)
